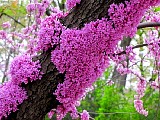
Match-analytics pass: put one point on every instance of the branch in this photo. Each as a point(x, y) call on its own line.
point(148, 24)
point(13, 19)
point(6, 66)
point(142, 25)
point(40, 92)
point(137, 46)
point(87, 11)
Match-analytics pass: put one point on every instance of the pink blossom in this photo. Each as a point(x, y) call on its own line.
point(51, 113)
point(84, 54)
point(45, 3)
point(110, 82)
point(31, 8)
point(3, 34)
point(22, 69)
point(11, 95)
point(84, 115)
point(50, 30)
point(141, 87)
point(6, 25)
point(71, 3)
point(138, 104)
point(154, 85)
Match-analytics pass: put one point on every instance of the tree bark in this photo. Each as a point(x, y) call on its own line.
point(40, 93)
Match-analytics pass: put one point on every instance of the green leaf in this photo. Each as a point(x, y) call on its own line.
point(157, 9)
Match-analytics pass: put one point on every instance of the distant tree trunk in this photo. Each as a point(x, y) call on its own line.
point(40, 93)
point(120, 80)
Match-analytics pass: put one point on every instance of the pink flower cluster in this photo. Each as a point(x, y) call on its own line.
point(46, 3)
point(152, 16)
point(141, 87)
point(22, 70)
point(130, 53)
point(124, 18)
point(38, 7)
point(123, 70)
point(3, 34)
point(84, 54)
point(138, 104)
point(50, 31)
point(153, 43)
point(84, 115)
point(6, 25)
point(51, 113)
point(71, 3)
point(154, 85)
point(11, 95)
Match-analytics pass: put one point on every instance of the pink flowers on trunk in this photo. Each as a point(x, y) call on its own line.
point(84, 54)
point(71, 3)
point(22, 70)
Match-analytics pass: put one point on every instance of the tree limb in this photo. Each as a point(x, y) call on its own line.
point(13, 19)
point(137, 46)
point(40, 93)
point(148, 24)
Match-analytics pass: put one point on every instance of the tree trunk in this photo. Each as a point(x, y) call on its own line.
point(40, 93)
point(120, 80)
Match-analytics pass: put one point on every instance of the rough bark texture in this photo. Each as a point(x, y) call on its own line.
point(40, 93)
point(87, 11)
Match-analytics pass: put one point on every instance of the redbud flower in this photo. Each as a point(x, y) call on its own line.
point(84, 115)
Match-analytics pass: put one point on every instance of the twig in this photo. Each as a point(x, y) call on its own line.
point(137, 46)
point(114, 113)
point(148, 24)
point(142, 25)
point(13, 19)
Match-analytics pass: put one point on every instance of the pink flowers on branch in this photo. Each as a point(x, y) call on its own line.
point(138, 104)
point(6, 25)
point(84, 115)
point(50, 31)
point(38, 9)
point(22, 70)
point(11, 95)
point(82, 54)
point(72, 3)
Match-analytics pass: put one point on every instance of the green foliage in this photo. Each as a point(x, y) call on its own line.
point(110, 103)
point(113, 105)
point(157, 9)
point(13, 9)
point(152, 104)
point(13, 12)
